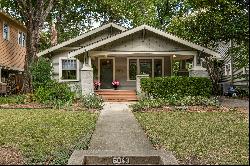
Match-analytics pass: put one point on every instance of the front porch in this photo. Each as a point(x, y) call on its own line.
point(126, 66)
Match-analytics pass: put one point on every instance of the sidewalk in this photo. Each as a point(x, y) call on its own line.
point(119, 137)
point(118, 130)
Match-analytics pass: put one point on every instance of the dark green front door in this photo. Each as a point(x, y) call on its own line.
point(106, 73)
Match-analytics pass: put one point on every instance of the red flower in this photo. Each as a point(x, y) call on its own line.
point(115, 83)
point(97, 83)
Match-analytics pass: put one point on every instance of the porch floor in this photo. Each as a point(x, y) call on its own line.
point(117, 95)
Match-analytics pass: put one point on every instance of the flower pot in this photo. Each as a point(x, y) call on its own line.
point(97, 87)
point(115, 87)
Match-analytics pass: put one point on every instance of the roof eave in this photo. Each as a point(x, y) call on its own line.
point(98, 29)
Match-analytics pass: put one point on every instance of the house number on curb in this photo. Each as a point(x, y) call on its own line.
point(120, 160)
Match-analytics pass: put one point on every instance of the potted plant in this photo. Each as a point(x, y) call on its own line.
point(97, 84)
point(115, 84)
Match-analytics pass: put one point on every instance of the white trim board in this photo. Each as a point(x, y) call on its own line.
point(81, 37)
point(134, 30)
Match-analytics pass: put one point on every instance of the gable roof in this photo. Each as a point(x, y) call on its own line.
point(3, 14)
point(63, 44)
point(139, 28)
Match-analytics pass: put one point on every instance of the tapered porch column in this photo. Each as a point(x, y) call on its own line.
point(197, 70)
point(87, 77)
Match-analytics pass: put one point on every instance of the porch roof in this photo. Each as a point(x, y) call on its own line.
point(139, 28)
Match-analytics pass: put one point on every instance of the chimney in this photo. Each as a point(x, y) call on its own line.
point(53, 35)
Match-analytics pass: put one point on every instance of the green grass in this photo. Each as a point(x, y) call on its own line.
point(46, 136)
point(199, 138)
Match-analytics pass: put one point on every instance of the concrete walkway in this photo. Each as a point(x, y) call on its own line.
point(118, 137)
point(117, 129)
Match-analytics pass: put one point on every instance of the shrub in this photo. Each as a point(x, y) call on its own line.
point(15, 99)
point(160, 87)
point(92, 101)
point(174, 100)
point(54, 93)
point(41, 72)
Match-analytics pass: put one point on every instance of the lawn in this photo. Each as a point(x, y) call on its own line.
point(46, 136)
point(199, 137)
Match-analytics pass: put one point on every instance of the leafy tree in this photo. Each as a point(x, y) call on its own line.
point(33, 14)
point(210, 22)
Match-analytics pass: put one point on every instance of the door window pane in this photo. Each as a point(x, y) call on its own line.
point(132, 69)
point(157, 67)
point(145, 66)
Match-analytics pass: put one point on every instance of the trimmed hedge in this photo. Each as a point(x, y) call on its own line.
point(161, 87)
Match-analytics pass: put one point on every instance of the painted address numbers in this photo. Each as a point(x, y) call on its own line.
point(120, 160)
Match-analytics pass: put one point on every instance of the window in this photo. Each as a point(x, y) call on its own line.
point(21, 38)
point(145, 66)
point(227, 69)
point(68, 69)
point(6, 31)
point(132, 69)
point(24, 39)
point(151, 66)
point(157, 67)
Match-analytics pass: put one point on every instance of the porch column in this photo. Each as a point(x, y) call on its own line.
point(87, 80)
point(138, 82)
point(197, 70)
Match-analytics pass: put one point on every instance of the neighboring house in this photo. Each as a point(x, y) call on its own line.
point(232, 75)
point(12, 49)
point(112, 52)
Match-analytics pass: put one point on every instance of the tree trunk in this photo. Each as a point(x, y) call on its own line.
point(35, 15)
point(214, 71)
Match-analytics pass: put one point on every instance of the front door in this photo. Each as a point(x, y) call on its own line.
point(106, 73)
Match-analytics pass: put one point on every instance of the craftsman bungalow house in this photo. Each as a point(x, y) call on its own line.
point(112, 52)
point(12, 49)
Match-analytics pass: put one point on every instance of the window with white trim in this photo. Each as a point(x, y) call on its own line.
point(6, 31)
point(68, 69)
point(21, 38)
point(151, 66)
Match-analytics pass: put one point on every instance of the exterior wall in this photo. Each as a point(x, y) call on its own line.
point(151, 42)
point(121, 73)
point(75, 85)
point(12, 54)
point(167, 66)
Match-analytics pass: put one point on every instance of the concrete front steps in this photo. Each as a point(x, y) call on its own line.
point(117, 95)
point(107, 157)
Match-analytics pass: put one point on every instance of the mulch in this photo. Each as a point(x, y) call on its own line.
point(24, 106)
point(10, 156)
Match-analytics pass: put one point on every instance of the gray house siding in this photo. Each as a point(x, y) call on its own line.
point(238, 76)
point(75, 85)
